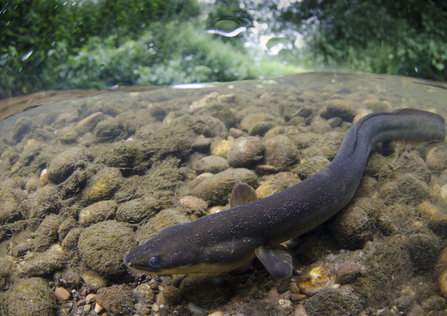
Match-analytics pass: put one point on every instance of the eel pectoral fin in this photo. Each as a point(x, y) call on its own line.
point(276, 260)
point(242, 194)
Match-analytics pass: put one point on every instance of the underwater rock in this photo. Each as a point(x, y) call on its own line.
point(424, 249)
point(216, 189)
point(102, 185)
point(93, 280)
point(32, 185)
point(64, 164)
point(62, 294)
point(387, 265)
point(46, 233)
point(277, 183)
point(250, 120)
point(45, 201)
point(33, 153)
point(320, 125)
point(221, 148)
point(135, 211)
point(212, 164)
point(44, 263)
point(355, 224)
point(236, 133)
point(245, 152)
point(126, 155)
point(415, 189)
point(311, 166)
point(43, 134)
point(280, 152)
point(116, 299)
point(67, 224)
point(259, 129)
point(376, 105)
point(30, 297)
point(97, 212)
point(107, 130)
point(202, 145)
point(205, 290)
point(143, 294)
point(88, 124)
point(339, 108)
point(206, 125)
point(330, 144)
point(67, 135)
point(157, 111)
point(70, 241)
point(9, 201)
point(368, 187)
point(165, 218)
point(334, 302)
point(103, 245)
point(436, 159)
point(22, 127)
point(194, 205)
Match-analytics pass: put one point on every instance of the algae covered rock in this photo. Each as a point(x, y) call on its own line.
point(136, 210)
point(97, 212)
point(311, 166)
point(280, 152)
point(45, 201)
point(245, 152)
point(333, 302)
point(164, 219)
point(217, 188)
point(116, 299)
point(277, 183)
point(103, 185)
point(9, 212)
point(213, 164)
point(339, 108)
point(108, 130)
point(205, 289)
point(355, 225)
point(64, 164)
point(103, 245)
point(30, 297)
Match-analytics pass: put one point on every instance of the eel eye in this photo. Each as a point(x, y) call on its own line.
point(154, 262)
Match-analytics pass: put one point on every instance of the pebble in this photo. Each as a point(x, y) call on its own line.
point(298, 297)
point(90, 298)
point(236, 133)
point(294, 288)
point(216, 314)
point(62, 294)
point(98, 308)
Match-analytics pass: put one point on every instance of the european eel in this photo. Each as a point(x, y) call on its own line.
point(230, 239)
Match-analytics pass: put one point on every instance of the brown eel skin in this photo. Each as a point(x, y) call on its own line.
point(227, 240)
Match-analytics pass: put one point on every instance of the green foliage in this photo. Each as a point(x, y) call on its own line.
point(404, 37)
point(38, 36)
point(165, 54)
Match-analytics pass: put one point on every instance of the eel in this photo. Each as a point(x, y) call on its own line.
point(230, 239)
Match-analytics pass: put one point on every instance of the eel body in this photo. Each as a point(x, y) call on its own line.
point(227, 240)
